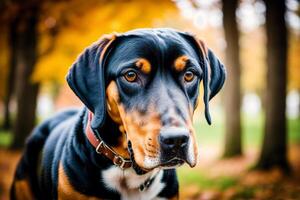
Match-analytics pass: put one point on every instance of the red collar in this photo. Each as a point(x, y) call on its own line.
point(104, 149)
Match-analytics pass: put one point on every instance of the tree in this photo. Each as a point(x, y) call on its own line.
point(24, 41)
point(9, 89)
point(26, 58)
point(274, 147)
point(6, 73)
point(232, 96)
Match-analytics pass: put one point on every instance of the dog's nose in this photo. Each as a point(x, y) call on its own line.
point(174, 138)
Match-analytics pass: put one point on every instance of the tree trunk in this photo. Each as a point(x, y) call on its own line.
point(274, 148)
point(232, 96)
point(11, 73)
point(26, 91)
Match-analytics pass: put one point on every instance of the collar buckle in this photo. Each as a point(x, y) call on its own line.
point(100, 147)
point(119, 161)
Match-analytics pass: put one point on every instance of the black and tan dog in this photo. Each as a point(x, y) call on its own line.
point(140, 90)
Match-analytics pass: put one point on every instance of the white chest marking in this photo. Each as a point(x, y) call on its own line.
point(127, 183)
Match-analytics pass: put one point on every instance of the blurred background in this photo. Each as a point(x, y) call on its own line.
point(252, 148)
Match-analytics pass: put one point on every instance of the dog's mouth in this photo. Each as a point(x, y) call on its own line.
point(173, 163)
point(169, 164)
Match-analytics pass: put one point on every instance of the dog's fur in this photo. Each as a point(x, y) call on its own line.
point(140, 86)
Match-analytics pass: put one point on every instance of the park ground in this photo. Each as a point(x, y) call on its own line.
point(214, 178)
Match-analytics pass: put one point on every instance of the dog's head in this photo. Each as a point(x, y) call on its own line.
point(147, 81)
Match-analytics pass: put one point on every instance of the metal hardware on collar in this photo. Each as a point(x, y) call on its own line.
point(119, 161)
point(98, 149)
point(102, 148)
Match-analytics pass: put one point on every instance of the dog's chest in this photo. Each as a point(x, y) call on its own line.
point(128, 183)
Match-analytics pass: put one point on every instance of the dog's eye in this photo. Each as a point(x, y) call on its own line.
point(189, 76)
point(130, 76)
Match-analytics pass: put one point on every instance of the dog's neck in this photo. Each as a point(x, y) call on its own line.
point(113, 137)
point(102, 148)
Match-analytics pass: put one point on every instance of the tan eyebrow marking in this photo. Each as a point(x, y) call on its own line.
point(180, 63)
point(143, 65)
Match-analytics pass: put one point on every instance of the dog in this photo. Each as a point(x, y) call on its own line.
point(140, 90)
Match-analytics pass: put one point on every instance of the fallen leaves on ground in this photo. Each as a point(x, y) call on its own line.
point(8, 162)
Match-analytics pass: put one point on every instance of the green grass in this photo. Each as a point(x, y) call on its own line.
point(294, 130)
point(189, 176)
point(252, 127)
point(5, 138)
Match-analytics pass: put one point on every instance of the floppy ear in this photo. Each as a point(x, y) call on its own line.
point(214, 74)
point(86, 78)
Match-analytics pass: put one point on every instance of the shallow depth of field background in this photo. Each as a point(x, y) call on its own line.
point(33, 65)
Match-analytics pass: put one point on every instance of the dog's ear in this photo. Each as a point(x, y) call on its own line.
point(213, 79)
point(86, 78)
point(214, 73)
